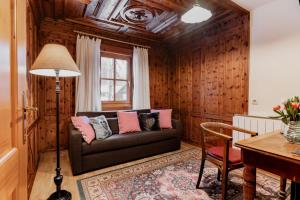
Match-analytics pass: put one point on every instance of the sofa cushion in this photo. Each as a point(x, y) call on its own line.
point(128, 122)
point(119, 141)
point(165, 118)
point(101, 127)
point(113, 125)
point(82, 123)
point(149, 121)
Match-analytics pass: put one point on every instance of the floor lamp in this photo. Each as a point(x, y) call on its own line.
point(55, 61)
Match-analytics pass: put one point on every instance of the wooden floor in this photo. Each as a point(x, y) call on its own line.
point(43, 184)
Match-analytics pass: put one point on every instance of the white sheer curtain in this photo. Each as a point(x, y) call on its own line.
point(88, 97)
point(141, 87)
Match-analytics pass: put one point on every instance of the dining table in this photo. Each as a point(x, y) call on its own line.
point(272, 153)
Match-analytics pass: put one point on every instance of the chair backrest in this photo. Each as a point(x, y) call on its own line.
point(216, 130)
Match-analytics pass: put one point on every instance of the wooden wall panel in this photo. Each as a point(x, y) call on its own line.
point(210, 76)
point(196, 81)
point(185, 96)
point(174, 79)
point(159, 67)
point(32, 96)
point(62, 32)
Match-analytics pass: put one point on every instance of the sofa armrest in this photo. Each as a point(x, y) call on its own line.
point(75, 151)
point(178, 126)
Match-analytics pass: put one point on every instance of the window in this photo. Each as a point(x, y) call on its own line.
point(115, 79)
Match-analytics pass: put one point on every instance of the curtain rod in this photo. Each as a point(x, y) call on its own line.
point(114, 40)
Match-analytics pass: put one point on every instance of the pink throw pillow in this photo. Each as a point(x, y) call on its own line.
point(128, 122)
point(82, 123)
point(165, 118)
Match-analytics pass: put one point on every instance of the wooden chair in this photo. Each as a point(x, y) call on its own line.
point(224, 157)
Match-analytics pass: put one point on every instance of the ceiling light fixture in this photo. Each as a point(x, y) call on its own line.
point(196, 14)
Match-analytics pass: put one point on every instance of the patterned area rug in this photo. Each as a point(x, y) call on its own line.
point(172, 177)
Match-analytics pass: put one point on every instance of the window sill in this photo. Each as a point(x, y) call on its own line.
point(115, 106)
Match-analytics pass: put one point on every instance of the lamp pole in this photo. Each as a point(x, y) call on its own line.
point(59, 194)
point(56, 58)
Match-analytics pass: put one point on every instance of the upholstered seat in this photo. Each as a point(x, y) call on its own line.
point(218, 152)
point(224, 157)
point(120, 141)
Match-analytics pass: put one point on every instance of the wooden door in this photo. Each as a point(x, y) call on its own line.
point(13, 145)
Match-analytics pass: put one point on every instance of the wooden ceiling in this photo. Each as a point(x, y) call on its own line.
point(149, 19)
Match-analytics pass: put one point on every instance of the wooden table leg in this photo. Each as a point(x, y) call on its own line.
point(282, 192)
point(249, 182)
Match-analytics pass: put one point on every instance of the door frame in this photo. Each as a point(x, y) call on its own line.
point(13, 148)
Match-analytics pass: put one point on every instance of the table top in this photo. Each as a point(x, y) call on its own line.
point(273, 144)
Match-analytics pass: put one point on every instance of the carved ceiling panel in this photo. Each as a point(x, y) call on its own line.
point(137, 14)
point(150, 19)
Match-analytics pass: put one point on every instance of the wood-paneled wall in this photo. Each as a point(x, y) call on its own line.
point(32, 96)
point(62, 32)
point(209, 76)
point(203, 77)
point(159, 69)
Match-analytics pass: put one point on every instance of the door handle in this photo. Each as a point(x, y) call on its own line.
point(26, 109)
point(30, 108)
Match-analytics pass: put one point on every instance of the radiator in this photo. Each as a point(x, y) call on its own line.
point(261, 125)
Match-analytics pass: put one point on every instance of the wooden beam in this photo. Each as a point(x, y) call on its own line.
point(90, 9)
point(97, 8)
point(169, 5)
point(106, 8)
point(117, 9)
point(88, 23)
point(84, 10)
point(116, 23)
point(165, 24)
point(125, 25)
point(110, 39)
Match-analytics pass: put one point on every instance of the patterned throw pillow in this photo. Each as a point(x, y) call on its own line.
point(149, 121)
point(82, 123)
point(101, 127)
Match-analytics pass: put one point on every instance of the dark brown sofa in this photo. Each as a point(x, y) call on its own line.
point(119, 148)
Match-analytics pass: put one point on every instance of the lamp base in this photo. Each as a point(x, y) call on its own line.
point(64, 195)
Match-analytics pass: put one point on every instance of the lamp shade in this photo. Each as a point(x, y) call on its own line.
point(52, 58)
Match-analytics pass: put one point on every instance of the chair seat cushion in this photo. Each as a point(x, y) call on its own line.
point(119, 141)
point(218, 152)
